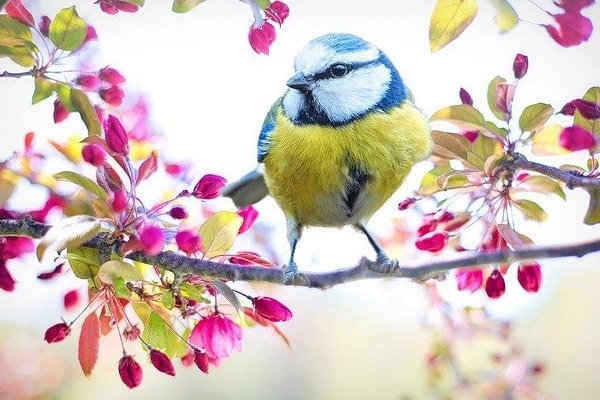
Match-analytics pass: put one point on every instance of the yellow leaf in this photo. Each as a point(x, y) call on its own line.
point(111, 270)
point(71, 149)
point(218, 232)
point(506, 17)
point(545, 141)
point(449, 19)
point(8, 182)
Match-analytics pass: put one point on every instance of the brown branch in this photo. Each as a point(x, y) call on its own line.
point(418, 269)
point(570, 178)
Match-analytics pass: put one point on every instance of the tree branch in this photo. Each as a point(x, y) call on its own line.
point(570, 178)
point(419, 269)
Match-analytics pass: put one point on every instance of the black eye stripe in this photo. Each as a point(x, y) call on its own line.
point(330, 74)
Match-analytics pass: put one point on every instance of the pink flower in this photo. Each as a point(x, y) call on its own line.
point(71, 298)
point(188, 242)
point(178, 212)
point(115, 135)
point(587, 109)
point(118, 201)
point(57, 333)
point(130, 372)
point(60, 112)
point(93, 154)
point(44, 25)
point(432, 241)
point(575, 138)
point(111, 76)
point(201, 360)
point(469, 279)
point(271, 309)
point(249, 214)
point(471, 136)
point(494, 285)
point(570, 29)
point(465, 97)
point(529, 276)
point(7, 282)
point(162, 362)
point(43, 276)
point(88, 82)
point(209, 187)
point(406, 203)
point(152, 239)
point(261, 37)
point(112, 95)
point(218, 335)
point(17, 10)
point(278, 11)
point(114, 6)
point(573, 5)
point(520, 66)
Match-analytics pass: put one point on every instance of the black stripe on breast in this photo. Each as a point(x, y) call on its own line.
point(358, 178)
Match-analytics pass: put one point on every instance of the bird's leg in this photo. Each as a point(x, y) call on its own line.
point(291, 276)
point(383, 263)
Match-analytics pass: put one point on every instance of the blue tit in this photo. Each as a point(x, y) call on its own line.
point(338, 143)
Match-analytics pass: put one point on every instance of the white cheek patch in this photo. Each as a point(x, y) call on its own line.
point(293, 103)
point(342, 99)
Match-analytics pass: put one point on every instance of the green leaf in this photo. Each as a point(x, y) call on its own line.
point(546, 141)
point(593, 95)
point(535, 116)
point(84, 261)
point(42, 90)
point(449, 19)
point(230, 295)
point(67, 29)
point(192, 292)
point(482, 148)
point(464, 116)
point(83, 181)
point(541, 184)
point(183, 6)
point(139, 3)
point(121, 289)
point(63, 91)
point(530, 209)
point(16, 42)
point(168, 299)
point(89, 344)
point(506, 18)
point(113, 269)
point(429, 182)
point(69, 232)
point(218, 232)
point(86, 110)
point(492, 97)
point(592, 215)
point(450, 146)
point(156, 331)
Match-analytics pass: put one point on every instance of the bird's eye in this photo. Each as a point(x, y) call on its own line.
point(338, 70)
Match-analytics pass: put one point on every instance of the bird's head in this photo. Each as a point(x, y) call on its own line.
point(339, 78)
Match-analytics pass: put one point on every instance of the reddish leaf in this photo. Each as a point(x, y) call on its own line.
point(17, 10)
point(147, 168)
point(89, 341)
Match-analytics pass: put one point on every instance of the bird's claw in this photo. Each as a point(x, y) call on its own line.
point(384, 265)
point(291, 276)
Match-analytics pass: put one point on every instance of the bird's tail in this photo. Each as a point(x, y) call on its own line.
point(249, 189)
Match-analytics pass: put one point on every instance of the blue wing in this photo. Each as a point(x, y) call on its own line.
point(264, 138)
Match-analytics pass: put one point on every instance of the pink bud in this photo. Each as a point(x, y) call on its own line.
point(17, 10)
point(116, 137)
point(249, 214)
point(90, 34)
point(278, 11)
point(271, 309)
point(218, 335)
point(118, 201)
point(126, 6)
point(188, 242)
point(465, 97)
point(432, 241)
point(130, 372)
point(201, 360)
point(43, 276)
point(44, 25)
point(520, 66)
point(57, 333)
point(406, 203)
point(494, 285)
point(162, 362)
point(209, 187)
point(573, 5)
point(152, 239)
point(60, 112)
point(113, 95)
point(178, 212)
point(71, 298)
point(469, 279)
point(568, 109)
point(588, 109)
point(93, 154)
point(262, 37)
point(529, 276)
point(108, 6)
point(471, 136)
point(88, 82)
point(575, 138)
point(111, 76)
point(570, 29)
point(7, 283)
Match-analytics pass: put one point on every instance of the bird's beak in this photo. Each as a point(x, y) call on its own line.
point(300, 82)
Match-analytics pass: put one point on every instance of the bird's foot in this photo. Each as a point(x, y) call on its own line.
point(291, 276)
point(384, 265)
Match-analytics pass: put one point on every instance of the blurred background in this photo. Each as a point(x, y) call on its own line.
point(208, 93)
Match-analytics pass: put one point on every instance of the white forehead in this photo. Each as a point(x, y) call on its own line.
point(316, 57)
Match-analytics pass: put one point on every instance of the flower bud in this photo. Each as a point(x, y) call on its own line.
point(262, 37)
point(188, 242)
point(201, 360)
point(209, 187)
point(465, 97)
point(112, 95)
point(432, 241)
point(57, 333)
point(469, 279)
point(60, 113)
point(7, 283)
point(44, 25)
point(152, 239)
point(495, 285)
point(88, 82)
point(278, 11)
point(249, 214)
point(130, 371)
point(178, 212)
point(115, 135)
point(529, 276)
point(588, 109)
point(271, 309)
point(406, 203)
point(520, 66)
point(93, 154)
point(111, 76)
point(575, 138)
point(162, 362)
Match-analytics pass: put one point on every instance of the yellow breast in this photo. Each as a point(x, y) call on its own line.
point(307, 168)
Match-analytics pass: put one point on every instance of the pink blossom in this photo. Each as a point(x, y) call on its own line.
point(93, 154)
point(112, 95)
point(570, 29)
point(469, 279)
point(44, 25)
point(178, 212)
point(218, 335)
point(60, 113)
point(271, 309)
point(529, 276)
point(520, 66)
point(278, 11)
point(209, 187)
point(111, 76)
point(70, 299)
point(495, 285)
point(118, 201)
point(201, 360)
point(587, 109)
point(465, 97)
point(115, 135)
point(88, 82)
point(188, 242)
point(432, 241)
point(406, 203)
point(43, 276)
point(114, 6)
point(249, 214)
point(575, 138)
point(130, 372)
point(152, 239)
point(7, 283)
point(17, 10)
point(162, 362)
point(261, 37)
point(57, 333)
point(573, 5)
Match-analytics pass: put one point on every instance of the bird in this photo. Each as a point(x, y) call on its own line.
point(337, 144)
